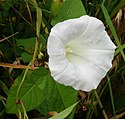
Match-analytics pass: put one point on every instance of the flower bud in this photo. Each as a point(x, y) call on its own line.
point(55, 6)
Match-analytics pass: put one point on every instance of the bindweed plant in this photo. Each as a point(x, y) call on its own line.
point(62, 59)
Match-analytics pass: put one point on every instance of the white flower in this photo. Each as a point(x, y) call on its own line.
point(80, 52)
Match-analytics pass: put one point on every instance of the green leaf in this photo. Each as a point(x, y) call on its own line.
point(39, 88)
point(28, 44)
point(57, 98)
point(26, 57)
point(31, 93)
point(69, 9)
point(65, 112)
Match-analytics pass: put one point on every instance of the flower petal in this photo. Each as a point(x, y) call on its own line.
point(56, 51)
point(70, 29)
point(80, 52)
point(85, 75)
point(81, 77)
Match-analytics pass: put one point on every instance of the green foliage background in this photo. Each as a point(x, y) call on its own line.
point(29, 91)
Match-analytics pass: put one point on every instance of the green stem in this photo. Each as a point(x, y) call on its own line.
point(21, 83)
point(111, 95)
point(101, 106)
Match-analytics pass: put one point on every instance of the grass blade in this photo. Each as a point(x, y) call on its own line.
point(109, 22)
point(111, 95)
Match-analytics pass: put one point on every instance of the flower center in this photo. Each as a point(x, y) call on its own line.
point(74, 52)
point(70, 54)
point(68, 49)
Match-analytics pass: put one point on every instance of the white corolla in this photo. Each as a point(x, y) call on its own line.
point(80, 52)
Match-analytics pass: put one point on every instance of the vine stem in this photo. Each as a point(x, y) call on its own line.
point(22, 81)
point(30, 64)
point(101, 106)
point(28, 67)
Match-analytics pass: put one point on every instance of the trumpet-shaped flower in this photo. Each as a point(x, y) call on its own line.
point(80, 52)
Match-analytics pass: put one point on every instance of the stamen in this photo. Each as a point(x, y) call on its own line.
point(69, 50)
